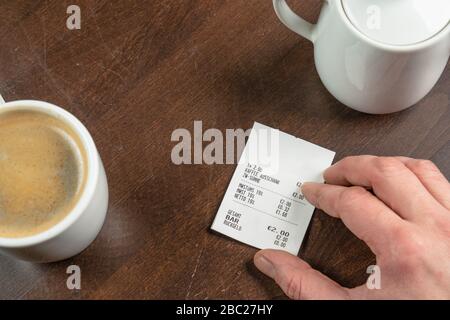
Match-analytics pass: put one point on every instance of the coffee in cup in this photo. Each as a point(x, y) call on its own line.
point(43, 168)
point(53, 186)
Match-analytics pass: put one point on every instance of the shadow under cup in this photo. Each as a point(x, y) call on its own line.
point(54, 196)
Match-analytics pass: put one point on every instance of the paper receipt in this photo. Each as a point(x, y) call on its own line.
point(263, 205)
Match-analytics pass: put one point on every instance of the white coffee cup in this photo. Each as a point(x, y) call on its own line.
point(375, 66)
point(81, 226)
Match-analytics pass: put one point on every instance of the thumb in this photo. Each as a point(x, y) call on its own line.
point(296, 278)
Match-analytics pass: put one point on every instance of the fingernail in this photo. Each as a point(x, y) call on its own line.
point(264, 265)
point(305, 184)
point(325, 173)
point(308, 191)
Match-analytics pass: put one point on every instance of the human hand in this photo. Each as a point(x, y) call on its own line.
point(405, 222)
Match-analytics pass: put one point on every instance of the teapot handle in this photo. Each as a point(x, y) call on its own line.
point(293, 21)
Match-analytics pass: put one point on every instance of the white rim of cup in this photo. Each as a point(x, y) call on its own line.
point(92, 171)
point(391, 47)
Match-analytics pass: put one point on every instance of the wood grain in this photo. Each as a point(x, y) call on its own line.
point(136, 71)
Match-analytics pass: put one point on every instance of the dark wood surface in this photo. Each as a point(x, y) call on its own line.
point(136, 71)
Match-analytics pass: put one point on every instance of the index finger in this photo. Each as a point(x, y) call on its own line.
point(366, 216)
point(391, 181)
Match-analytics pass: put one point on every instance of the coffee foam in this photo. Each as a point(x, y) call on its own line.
point(43, 168)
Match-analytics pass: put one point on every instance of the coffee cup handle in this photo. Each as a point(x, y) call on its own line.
point(2, 101)
point(293, 21)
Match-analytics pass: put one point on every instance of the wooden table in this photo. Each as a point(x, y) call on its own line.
point(136, 71)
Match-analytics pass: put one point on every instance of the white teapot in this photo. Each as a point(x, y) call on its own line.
point(377, 56)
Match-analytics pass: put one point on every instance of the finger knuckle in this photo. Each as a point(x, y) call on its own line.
point(387, 164)
point(425, 166)
point(294, 287)
point(386, 167)
point(351, 195)
point(409, 251)
point(413, 248)
point(405, 265)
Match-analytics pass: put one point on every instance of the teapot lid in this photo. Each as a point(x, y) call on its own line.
point(398, 22)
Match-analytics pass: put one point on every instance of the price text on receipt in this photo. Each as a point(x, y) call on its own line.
point(263, 206)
